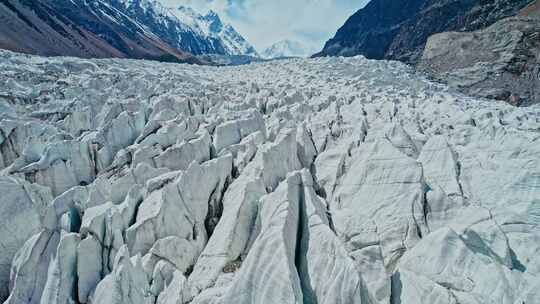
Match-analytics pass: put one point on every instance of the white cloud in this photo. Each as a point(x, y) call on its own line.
point(264, 22)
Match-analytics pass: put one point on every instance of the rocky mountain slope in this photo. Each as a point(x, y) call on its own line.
point(115, 28)
point(330, 180)
point(79, 28)
point(286, 49)
point(501, 61)
point(398, 30)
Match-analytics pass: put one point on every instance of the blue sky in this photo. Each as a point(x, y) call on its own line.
point(264, 22)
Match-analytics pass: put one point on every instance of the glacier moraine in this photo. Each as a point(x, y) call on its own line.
point(329, 181)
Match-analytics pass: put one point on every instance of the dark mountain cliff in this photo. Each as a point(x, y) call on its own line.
point(398, 30)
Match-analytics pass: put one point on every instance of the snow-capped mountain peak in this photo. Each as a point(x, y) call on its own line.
point(287, 48)
point(187, 29)
point(212, 26)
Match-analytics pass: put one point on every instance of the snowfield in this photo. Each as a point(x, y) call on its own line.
point(329, 181)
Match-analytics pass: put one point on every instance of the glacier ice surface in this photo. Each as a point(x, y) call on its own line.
point(329, 180)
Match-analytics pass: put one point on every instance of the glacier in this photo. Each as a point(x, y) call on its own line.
point(327, 180)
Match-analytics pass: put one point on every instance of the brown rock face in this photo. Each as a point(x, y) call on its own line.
point(533, 10)
point(500, 62)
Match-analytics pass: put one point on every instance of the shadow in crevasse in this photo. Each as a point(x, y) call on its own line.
point(395, 288)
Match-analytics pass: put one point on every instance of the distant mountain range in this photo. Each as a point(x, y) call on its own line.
point(398, 30)
point(286, 48)
point(141, 29)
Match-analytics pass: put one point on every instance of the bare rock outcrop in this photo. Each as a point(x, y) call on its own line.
point(499, 62)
